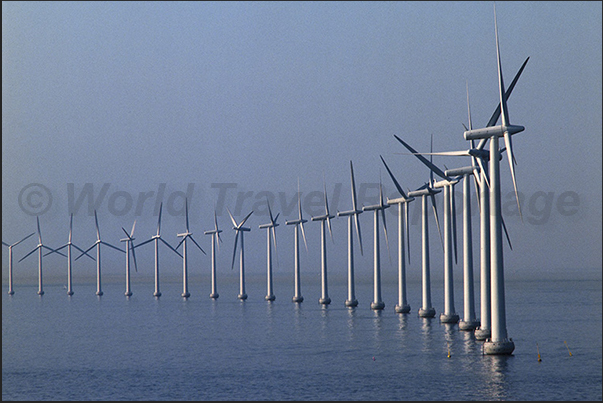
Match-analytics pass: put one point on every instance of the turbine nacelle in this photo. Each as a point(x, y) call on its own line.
point(295, 222)
point(423, 192)
point(445, 182)
point(270, 225)
point(322, 217)
point(461, 171)
point(348, 213)
point(400, 200)
point(489, 132)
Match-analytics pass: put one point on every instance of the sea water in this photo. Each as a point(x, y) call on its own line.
point(84, 347)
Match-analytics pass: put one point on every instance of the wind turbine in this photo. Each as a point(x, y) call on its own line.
point(449, 315)
point(324, 299)
point(240, 230)
point(215, 239)
point(185, 236)
point(68, 245)
point(352, 215)
point(297, 297)
point(402, 306)
point(377, 303)
point(39, 248)
point(271, 231)
point(427, 190)
point(10, 262)
point(129, 240)
point(158, 238)
point(498, 343)
point(98, 244)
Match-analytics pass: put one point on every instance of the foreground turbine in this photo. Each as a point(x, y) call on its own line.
point(324, 298)
point(240, 231)
point(299, 223)
point(10, 262)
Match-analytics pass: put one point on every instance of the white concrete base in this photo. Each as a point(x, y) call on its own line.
point(351, 303)
point(427, 313)
point(297, 299)
point(11, 292)
point(449, 318)
point(377, 305)
point(157, 294)
point(128, 294)
point(242, 296)
point(270, 297)
point(468, 324)
point(402, 309)
point(503, 347)
point(324, 301)
point(99, 293)
point(482, 334)
point(70, 293)
point(214, 295)
point(40, 292)
point(186, 294)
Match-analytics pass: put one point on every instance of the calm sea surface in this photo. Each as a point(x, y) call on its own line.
point(84, 347)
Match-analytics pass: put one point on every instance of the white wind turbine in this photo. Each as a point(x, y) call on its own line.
point(98, 243)
point(158, 238)
point(449, 315)
point(129, 240)
point(324, 299)
point(352, 214)
point(297, 297)
point(427, 190)
point(240, 230)
point(10, 262)
point(271, 232)
point(185, 236)
point(377, 303)
point(39, 248)
point(498, 343)
point(215, 240)
point(68, 245)
point(403, 225)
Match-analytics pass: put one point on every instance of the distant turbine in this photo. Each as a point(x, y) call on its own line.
point(10, 262)
point(498, 343)
point(427, 190)
point(129, 240)
point(240, 230)
point(185, 235)
point(402, 306)
point(271, 231)
point(324, 299)
point(98, 243)
point(158, 238)
point(297, 297)
point(39, 249)
point(215, 240)
point(352, 214)
point(377, 303)
point(68, 245)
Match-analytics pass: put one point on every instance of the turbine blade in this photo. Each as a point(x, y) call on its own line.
point(269, 210)
point(195, 242)
point(39, 232)
point(53, 250)
point(111, 246)
point(435, 213)
point(56, 250)
point(86, 251)
point(169, 246)
point(453, 214)
point(234, 223)
point(509, 146)
point(357, 221)
point(125, 232)
point(301, 224)
point(35, 249)
point(496, 114)
point(133, 226)
point(299, 207)
point(501, 84)
point(234, 251)
point(274, 239)
point(398, 187)
point(70, 226)
point(5, 244)
point(159, 220)
point(145, 242)
point(424, 160)
point(97, 229)
point(386, 237)
point(354, 199)
point(17, 243)
point(186, 212)
point(83, 253)
point(330, 230)
point(506, 233)
point(406, 208)
point(134, 254)
point(245, 219)
point(180, 243)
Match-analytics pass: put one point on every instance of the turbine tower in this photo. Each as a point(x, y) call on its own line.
point(68, 245)
point(240, 231)
point(377, 303)
point(10, 262)
point(129, 240)
point(215, 240)
point(352, 214)
point(185, 236)
point(324, 299)
point(297, 297)
point(98, 243)
point(158, 238)
point(403, 224)
point(498, 343)
point(271, 231)
point(39, 248)
point(427, 190)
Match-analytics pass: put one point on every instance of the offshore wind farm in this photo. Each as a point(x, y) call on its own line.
point(236, 103)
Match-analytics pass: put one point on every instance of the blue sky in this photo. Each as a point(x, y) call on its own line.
point(195, 97)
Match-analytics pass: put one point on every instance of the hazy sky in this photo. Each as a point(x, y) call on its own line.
point(138, 103)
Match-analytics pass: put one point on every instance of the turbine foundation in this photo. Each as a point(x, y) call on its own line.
point(242, 296)
point(449, 318)
point(351, 303)
point(186, 294)
point(157, 294)
point(128, 294)
point(70, 293)
point(503, 347)
point(99, 293)
point(11, 292)
point(469, 324)
point(214, 295)
point(297, 299)
point(482, 334)
point(40, 292)
point(377, 305)
point(402, 309)
point(427, 313)
point(270, 297)
point(324, 301)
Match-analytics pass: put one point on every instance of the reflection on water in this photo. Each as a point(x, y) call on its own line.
point(426, 331)
point(496, 385)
